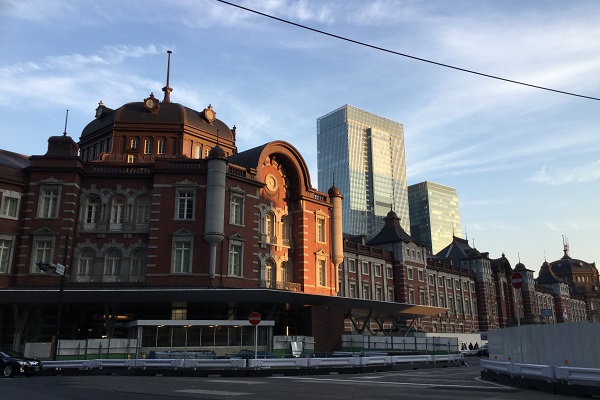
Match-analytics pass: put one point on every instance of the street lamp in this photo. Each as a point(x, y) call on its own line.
point(58, 269)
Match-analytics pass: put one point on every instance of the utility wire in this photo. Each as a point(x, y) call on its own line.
point(406, 55)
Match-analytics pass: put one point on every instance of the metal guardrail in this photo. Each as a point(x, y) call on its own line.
point(569, 375)
point(231, 363)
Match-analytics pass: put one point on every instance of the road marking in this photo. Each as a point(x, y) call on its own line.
point(496, 387)
point(212, 392)
point(240, 382)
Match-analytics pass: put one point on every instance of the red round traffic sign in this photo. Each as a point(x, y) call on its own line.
point(517, 280)
point(254, 318)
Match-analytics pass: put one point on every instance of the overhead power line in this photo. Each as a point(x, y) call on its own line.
point(406, 55)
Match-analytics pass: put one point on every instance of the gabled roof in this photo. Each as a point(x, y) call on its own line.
point(391, 232)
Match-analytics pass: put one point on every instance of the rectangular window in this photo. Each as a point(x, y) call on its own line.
point(390, 294)
point(130, 158)
point(407, 252)
point(161, 146)
point(421, 297)
point(449, 283)
point(235, 259)
point(352, 290)
point(451, 304)
point(321, 273)
point(421, 275)
point(48, 203)
point(5, 248)
point(431, 280)
point(378, 270)
point(432, 299)
point(182, 256)
point(185, 204)
point(197, 151)
point(442, 301)
point(10, 206)
point(366, 292)
point(440, 281)
point(134, 144)
point(411, 296)
point(321, 230)
point(365, 268)
point(236, 208)
point(42, 252)
point(148, 146)
point(179, 310)
point(389, 271)
point(378, 293)
point(409, 273)
point(351, 265)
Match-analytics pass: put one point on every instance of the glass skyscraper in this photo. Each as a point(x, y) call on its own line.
point(434, 214)
point(363, 154)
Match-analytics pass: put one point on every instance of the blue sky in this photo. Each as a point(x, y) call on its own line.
point(526, 162)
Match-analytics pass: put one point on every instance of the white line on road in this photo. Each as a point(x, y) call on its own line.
point(430, 385)
point(237, 382)
point(212, 392)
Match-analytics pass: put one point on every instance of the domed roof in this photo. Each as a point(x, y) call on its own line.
point(334, 192)
point(166, 116)
point(216, 152)
point(567, 266)
point(520, 267)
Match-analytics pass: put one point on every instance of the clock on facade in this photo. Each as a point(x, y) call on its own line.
point(271, 182)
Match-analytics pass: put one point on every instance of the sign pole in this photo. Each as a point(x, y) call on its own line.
point(517, 307)
point(254, 319)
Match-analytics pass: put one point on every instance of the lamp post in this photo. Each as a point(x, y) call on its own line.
point(59, 269)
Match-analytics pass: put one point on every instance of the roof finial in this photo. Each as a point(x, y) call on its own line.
point(167, 89)
point(333, 177)
point(66, 120)
point(566, 245)
point(519, 257)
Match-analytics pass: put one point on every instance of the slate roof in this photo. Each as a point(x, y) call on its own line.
point(15, 160)
point(391, 232)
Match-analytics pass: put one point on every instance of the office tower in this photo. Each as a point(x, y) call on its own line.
point(363, 154)
point(434, 214)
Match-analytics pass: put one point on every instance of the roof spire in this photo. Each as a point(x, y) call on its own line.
point(168, 89)
point(66, 120)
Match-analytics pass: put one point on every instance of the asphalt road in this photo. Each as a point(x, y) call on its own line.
point(438, 383)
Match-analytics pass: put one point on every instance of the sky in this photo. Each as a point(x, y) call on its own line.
point(525, 161)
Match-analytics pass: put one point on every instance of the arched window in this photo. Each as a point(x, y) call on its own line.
point(85, 264)
point(270, 226)
point(286, 230)
point(138, 263)
point(268, 273)
point(112, 263)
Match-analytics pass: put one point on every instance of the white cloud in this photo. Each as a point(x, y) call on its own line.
point(554, 175)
